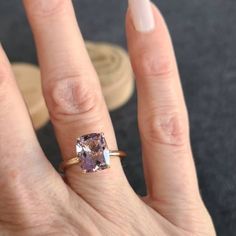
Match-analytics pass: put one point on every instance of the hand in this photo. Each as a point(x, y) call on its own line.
point(34, 200)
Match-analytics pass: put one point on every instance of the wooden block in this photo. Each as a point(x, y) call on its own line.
point(29, 82)
point(114, 71)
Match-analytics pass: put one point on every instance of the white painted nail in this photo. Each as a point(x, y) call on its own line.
point(142, 15)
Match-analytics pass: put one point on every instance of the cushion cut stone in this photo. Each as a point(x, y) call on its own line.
point(93, 152)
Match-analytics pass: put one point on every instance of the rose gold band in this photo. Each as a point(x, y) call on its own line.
point(68, 163)
point(76, 160)
point(117, 153)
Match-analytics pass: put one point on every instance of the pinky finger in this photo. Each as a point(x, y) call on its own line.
point(163, 120)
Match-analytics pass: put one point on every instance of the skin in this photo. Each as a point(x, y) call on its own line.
point(34, 199)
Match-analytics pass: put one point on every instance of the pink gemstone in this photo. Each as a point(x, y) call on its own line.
point(93, 152)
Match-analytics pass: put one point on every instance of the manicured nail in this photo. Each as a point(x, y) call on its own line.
point(142, 15)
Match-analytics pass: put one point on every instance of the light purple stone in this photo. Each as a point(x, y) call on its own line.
point(93, 152)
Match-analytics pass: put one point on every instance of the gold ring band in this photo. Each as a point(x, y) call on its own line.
point(117, 153)
point(76, 160)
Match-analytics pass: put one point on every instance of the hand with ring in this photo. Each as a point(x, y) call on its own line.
point(96, 198)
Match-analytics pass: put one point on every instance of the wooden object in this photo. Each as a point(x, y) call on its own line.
point(29, 82)
point(114, 71)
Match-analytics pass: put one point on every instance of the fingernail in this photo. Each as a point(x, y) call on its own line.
point(142, 15)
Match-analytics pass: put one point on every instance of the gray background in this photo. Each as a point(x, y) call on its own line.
point(204, 37)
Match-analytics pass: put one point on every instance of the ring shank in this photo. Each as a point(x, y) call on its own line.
point(117, 153)
point(67, 163)
point(76, 160)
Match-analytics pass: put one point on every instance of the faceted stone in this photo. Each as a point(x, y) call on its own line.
point(93, 152)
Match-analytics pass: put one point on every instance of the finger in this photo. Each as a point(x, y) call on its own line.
point(20, 154)
point(72, 92)
point(163, 121)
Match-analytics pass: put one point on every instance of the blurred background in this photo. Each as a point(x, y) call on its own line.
point(204, 38)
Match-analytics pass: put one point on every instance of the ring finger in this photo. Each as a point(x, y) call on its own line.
point(72, 92)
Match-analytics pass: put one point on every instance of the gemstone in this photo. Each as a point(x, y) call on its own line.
point(93, 152)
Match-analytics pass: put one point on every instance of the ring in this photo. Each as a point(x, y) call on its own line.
point(92, 154)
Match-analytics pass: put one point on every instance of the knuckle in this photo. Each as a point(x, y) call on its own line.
point(44, 8)
point(166, 128)
point(70, 96)
point(148, 64)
